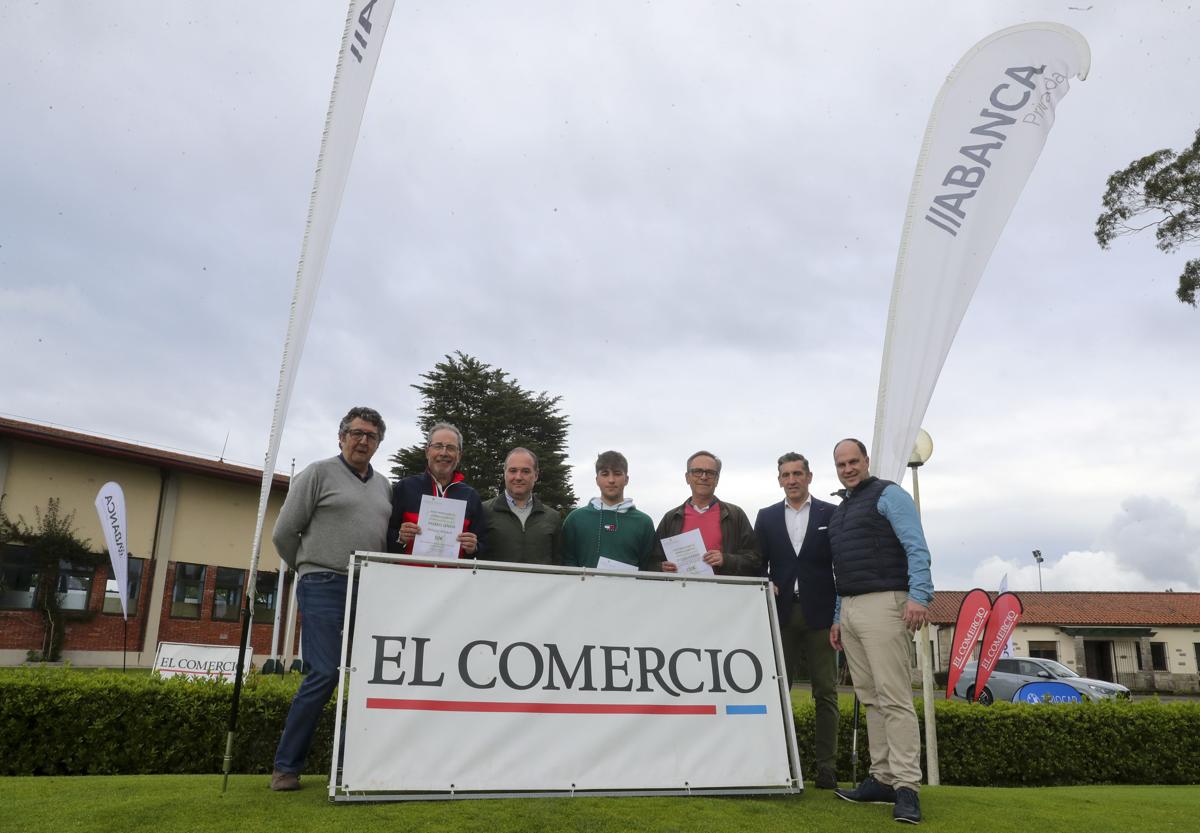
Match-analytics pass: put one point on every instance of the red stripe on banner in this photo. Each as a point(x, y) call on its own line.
point(535, 708)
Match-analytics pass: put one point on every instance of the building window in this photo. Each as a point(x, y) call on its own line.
point(18, 578)
point(1044, 650)
point(112, 599)
point(188, 594)
point(1158, 656)
point(74, 585)
point(264, 596)
point(228, 597)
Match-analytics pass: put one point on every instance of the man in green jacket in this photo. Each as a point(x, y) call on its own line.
point(609, 528)
point(520, 527)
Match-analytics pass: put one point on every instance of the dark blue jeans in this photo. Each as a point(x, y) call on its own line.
point(322, 599)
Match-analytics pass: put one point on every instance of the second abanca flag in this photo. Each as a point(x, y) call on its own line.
point(985, 134)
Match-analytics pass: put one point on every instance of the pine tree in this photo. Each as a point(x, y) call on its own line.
point(495, 415)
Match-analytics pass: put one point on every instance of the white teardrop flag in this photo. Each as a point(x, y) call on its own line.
point(110, 506)
point(985, 134)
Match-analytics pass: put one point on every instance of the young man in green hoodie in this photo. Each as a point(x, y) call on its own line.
point(609, 526)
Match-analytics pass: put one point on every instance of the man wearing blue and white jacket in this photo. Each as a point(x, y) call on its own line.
point(884, 587)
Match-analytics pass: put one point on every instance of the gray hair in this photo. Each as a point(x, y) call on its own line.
point(705, 454)
point(443, 426)
point(522, 450)
point(793, 457)
point(366, 415)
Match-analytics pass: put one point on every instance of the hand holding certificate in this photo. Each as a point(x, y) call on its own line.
point(686, 552)
point(441, 520)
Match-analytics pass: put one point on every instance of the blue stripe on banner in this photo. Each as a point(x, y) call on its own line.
point(746, 709)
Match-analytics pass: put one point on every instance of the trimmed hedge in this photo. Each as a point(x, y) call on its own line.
point(59, 722)
point(1016, 745)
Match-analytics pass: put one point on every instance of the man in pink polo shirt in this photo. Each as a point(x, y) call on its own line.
point(732, 548)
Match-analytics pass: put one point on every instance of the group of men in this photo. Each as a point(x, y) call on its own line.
point(854, 578)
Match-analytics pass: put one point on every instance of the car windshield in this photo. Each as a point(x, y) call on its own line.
point(1058, 669)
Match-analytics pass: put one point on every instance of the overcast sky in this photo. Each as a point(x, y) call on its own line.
point(682, 217)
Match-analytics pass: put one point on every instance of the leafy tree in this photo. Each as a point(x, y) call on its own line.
point(53, 544)
point(495, 415)
point(1164, 189)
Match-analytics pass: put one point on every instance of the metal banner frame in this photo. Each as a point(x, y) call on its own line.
point(340, 792)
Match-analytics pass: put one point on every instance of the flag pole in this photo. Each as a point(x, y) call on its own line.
point(362, 38)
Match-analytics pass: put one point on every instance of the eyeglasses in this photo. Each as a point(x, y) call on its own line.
point(357, 434)
point(440, 447)
point(698, 473)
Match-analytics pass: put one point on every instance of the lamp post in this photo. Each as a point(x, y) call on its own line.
point(1037, 556)
point(922, 451)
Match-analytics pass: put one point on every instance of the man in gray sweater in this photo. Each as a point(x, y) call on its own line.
point(333, 507)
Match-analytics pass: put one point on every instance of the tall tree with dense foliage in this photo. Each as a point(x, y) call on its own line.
point(1160, 190)
point(495, 414)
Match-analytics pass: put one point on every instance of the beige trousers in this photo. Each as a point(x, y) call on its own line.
point(878, 648)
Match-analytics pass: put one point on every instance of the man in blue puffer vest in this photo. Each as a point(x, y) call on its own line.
point(881, 572)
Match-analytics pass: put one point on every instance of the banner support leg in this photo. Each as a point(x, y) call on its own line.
point(932, 773)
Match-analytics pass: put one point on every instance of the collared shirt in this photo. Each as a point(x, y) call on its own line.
point(898, 507)
point(797, 522)
point(522, 512)
point(363, 477)
point(702, 509)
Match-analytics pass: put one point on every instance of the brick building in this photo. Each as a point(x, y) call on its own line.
point(1144, 641)
point(191, 522)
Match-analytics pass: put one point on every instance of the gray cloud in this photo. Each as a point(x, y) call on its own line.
point(681, 217)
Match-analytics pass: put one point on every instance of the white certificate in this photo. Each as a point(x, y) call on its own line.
point(613, 564)
point(441, 520)
point(686, 552)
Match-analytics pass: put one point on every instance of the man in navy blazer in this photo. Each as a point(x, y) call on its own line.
point(793, 539)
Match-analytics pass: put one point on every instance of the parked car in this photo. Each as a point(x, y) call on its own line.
point(1011, 673)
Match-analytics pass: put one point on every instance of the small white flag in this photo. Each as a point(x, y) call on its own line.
point(110, 506)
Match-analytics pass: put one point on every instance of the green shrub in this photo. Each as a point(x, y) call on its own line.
point(1016, 745)
point(1011, 745)
point(61, 722)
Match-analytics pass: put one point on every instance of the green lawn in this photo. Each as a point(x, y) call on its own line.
point(194, 803)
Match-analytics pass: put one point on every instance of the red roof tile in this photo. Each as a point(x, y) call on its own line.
point(1085, 608)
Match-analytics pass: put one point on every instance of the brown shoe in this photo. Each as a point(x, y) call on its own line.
point(284, 781)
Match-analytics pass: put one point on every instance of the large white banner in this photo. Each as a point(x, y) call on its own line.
point(110, 506)
point(985, 133)
point(496, 680)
